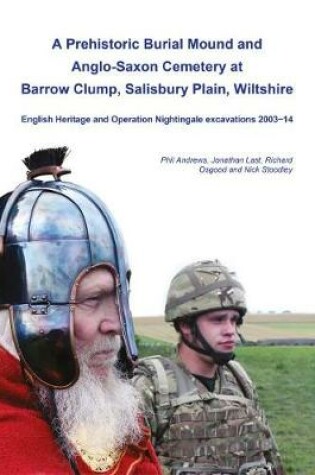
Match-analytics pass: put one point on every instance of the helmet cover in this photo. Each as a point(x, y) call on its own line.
point(201, 287)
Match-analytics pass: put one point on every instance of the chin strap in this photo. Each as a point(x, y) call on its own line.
point(219, 357)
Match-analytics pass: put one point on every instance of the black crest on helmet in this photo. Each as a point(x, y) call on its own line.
point(46, 157)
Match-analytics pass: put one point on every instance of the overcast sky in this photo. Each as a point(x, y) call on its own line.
point(259, 225)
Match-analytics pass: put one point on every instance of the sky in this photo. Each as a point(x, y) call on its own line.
point(172, 213)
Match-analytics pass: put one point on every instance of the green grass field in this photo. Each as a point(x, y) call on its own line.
point(255, 327)
point(285, 381)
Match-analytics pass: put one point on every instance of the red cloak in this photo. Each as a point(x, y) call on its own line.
point(27, 443)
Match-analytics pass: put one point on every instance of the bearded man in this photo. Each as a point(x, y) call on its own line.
point(66, 334)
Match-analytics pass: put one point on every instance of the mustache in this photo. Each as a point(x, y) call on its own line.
point(108, 343)
point(102, 343)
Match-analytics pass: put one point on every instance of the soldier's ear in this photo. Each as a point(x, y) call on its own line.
point(184, 328)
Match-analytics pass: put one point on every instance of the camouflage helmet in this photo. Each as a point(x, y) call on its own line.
point(201, 287)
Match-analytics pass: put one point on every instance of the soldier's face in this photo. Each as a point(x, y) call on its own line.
point(219, 328)
point(96, 315)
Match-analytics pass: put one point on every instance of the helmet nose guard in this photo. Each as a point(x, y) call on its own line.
point(50, 232)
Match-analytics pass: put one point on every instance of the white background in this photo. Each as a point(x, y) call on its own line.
point(261, 227)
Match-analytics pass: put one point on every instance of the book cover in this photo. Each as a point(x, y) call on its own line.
point(192, 121)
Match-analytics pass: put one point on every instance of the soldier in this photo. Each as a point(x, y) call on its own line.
point(66, 334)
point(202, 409)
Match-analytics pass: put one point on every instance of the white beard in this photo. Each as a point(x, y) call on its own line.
point(99, 412)
point(6, 339)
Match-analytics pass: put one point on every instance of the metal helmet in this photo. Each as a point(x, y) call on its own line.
point(51, 233)
point(201, 287)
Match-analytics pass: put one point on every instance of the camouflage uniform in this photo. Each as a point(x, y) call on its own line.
point(194, 430)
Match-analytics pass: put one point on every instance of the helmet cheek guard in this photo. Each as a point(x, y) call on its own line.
point(44, 342)
point(50, 233)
